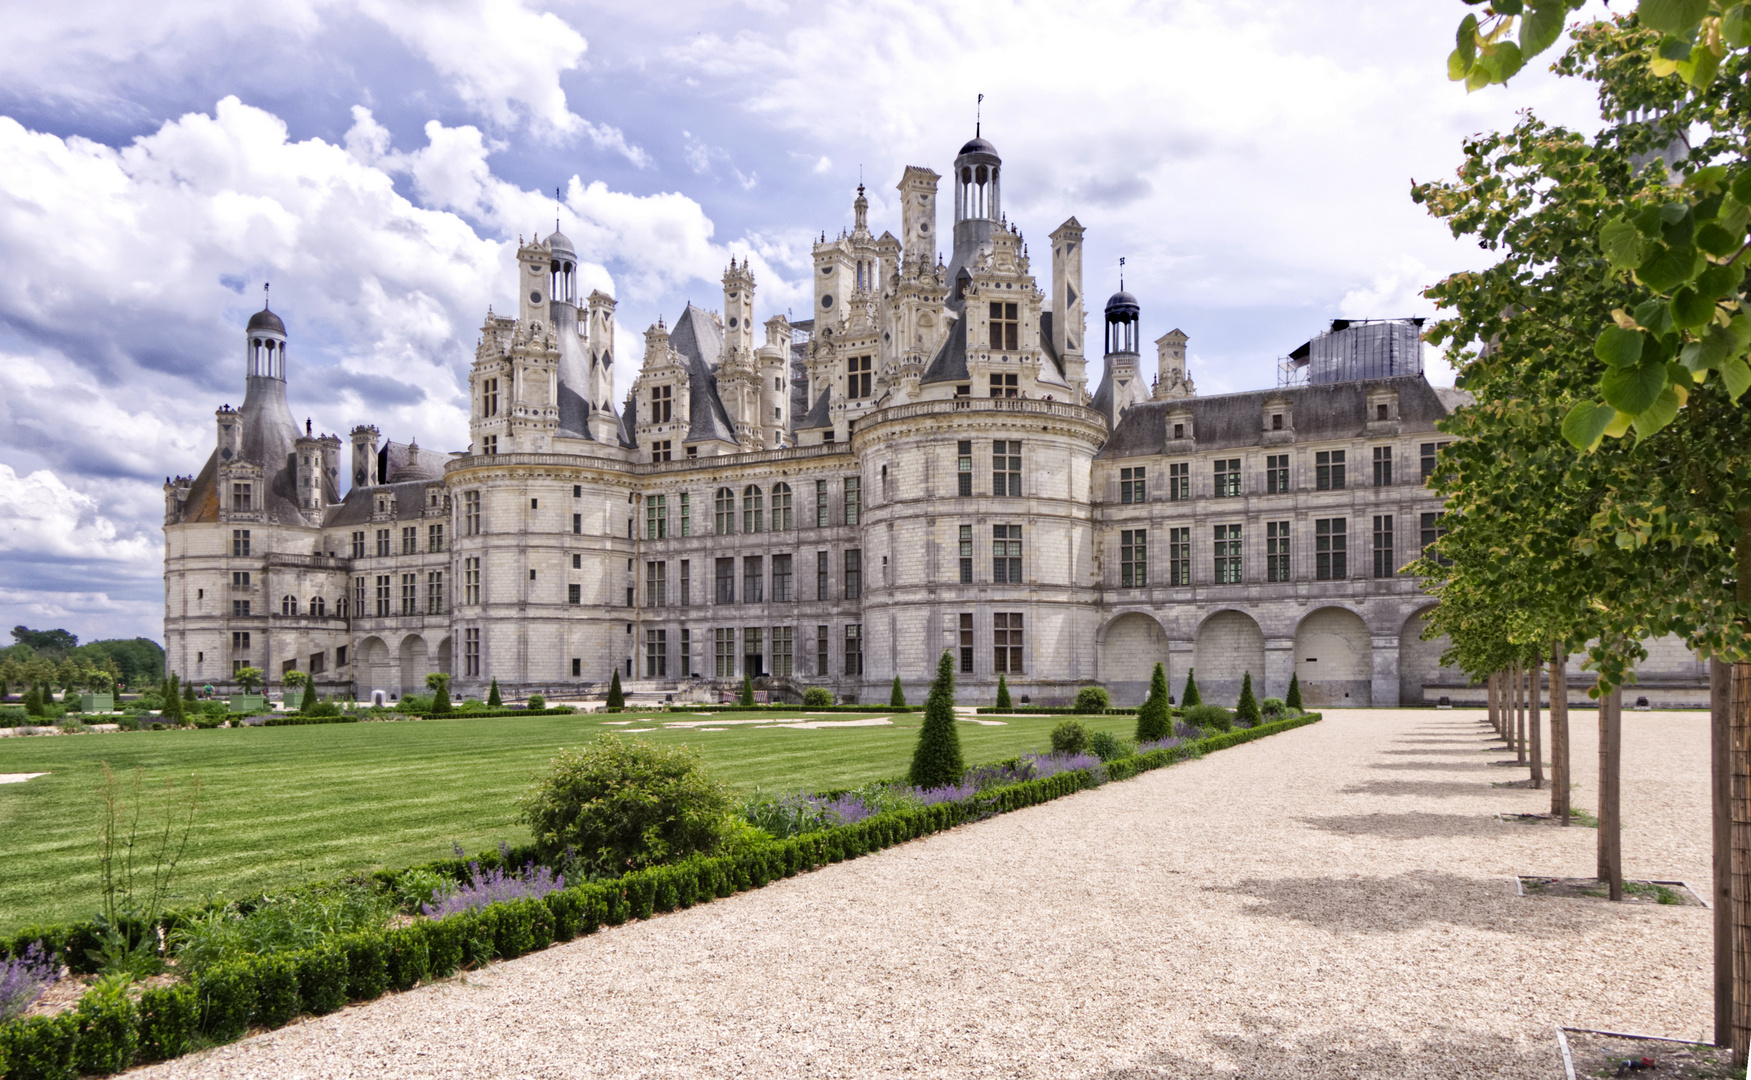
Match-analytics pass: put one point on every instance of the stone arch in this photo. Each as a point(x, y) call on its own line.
point(1229, 644)
point(1419, 661)
point(373, 668)
point(415, 665)
point(1129, 647)
point(1334, 659)
point(443, 658)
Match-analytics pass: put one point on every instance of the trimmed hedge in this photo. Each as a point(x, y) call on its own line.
point(300, 719)
point(786, 708)
point(220, 1003)
point(1055, 710)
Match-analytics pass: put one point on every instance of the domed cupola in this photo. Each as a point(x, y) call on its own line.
point(563, 288)
point(1123, 317)
point(978, 208)
point(265, 336)
point(266, 320)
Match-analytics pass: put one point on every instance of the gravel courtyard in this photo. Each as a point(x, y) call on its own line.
point(1334, 901)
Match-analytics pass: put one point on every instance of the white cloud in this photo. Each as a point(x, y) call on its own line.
point(41, 515)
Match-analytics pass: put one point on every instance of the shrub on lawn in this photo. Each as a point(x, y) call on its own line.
point(1272, 708)
point(493, 701)
point(936, 760)
point(1107, 746)
point(440, 687)
point(616, 697)
point(620, 804)
point(1093, 699)
point(41, 1046)
point(1003, 701)
point(1293, 698)
point(1209, 717)
point(1246, 710)
point(109, 1030)
point(817, 697)
point(168, 1015)
point(1152, 717)
point(1069, 737)
point(1189, 696)
point(747, 697)
point(536, 703)
point(897, 696)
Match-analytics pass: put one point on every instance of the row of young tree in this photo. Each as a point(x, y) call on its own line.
point(1599, 489)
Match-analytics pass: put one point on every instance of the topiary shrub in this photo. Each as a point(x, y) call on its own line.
point(1293, 698)
point(1152, 718)
point(621, 804)
point(1246, 710)
point(616, 698)
point(40, 1046)
point(1273, 708)
point(109, 1030)
point(276, 991)
point(1003, 701)
point(1093, 699)
point(493, 701)
point(936, 760)
point(897, 696)
point(1189, 696)
point(817, 697)
point(167, 1021)
point(535, 702)
point(1070, 737)
point(1209, 717)
point(33, 702)
point(747, 697)
point(1107, 746)
point(440, 687)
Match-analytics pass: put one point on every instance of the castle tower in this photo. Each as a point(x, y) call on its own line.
point(1067, 316)
point(978, 208)
point(917, 189)
point(365, 458)
point(604, 424)
point(738, 309)
point(773, 360)
point(1121, 384)
point(568, 333)
point(1171, 380)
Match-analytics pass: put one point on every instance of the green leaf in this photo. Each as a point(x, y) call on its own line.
point(1465, 41)
point(1655, 315)
point(1742, 186)
point(1700, 69)
point(1585, 424)
point(1718, 281)
point(1673, 48)
point(1736, 26)
point(1740, 328)
point(1706, 179)
point(1691, 309)
point(1623, 243)
point(1711, 238)
point(1672, 16)
point(1619, 424)
point(1456, 66)
point(1667, 268)
point(1717, 345)
point(1619, 347)
point(1633, 390)
point(1736, 375)
point(1648, 220)
point(1659, 414)
point(1507, 7)
point(1504, 60)
point(1540, 28)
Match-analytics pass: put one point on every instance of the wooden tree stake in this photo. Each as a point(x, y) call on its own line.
point(1610, 752)
point(1559, 733)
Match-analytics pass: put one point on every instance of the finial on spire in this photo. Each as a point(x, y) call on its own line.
point(306, 425)
point(978, 115)
point(264, 296)
point(557, 203)
point(1121, 273)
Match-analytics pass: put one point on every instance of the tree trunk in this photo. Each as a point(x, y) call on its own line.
point(1560, 784)
point(1519, 714)
point(1610, 749)
point(1537, 736)
point(1741, 852)
point(1720, 747)
point(1495, 720)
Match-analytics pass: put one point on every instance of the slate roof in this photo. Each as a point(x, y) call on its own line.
point(820, 415)
point(950, 362)
point(699, 340)
point(397, 462)
point(355, 509)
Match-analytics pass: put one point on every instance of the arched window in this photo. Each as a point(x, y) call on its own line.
point(753, 507)
point(318, 607)
point(726, 511)
point(781, 507)
point(340, 608)
point(288, 605)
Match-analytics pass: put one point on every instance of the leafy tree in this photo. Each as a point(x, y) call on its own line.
point(11, 674)
point(33, 702)
point(493, 701)
point(1152, 718)
point(1292, 699)
point(1003, 701)
point(170, 709)
point(296, 680)
point(1069, 737)
point(936, 760)
point(747, 695)
point(897, 696)
point(53, 642)
point(1189, 696)
point(1246, 709)
point(439, 684)
point(248, 678)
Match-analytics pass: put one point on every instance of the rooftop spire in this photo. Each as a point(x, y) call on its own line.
point(264, 296)
point(978, 115)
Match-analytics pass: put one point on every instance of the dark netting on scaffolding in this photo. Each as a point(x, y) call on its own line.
point(1354, 350)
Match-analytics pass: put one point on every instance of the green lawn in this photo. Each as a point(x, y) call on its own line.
point(289, 804)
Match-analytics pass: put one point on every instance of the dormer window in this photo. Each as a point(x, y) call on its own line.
point(1179, 431)
point(489, 398)
point(662, 404)
point(1276, 421)
point(1380, 411)
point(859, 376)
point(240, 498)
point(1005, 328)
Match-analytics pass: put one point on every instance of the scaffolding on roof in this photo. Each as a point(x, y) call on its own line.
point(1354, 350)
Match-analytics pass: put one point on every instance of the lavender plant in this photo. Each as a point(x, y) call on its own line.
point(1045, 765)
point(23, 979)
point(494, 887)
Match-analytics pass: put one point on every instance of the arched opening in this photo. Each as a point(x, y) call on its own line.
point(1229, 645)
point(415, 665)
point(374, 670)
point(1129, 649)
point(1334, 659)
point(444, 664)
point(1419, 662)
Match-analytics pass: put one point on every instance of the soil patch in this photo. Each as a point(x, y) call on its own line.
point(1668, 893)
point(1596, 1054)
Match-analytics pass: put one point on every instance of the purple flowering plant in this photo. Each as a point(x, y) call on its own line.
point(24, 978)
point(493, 886)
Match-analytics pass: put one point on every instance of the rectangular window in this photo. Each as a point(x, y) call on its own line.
point(410, 594)
point(853, 499)
point(726, 581)
point(656, 654)
point(656, 584)
point(964, 468)
point(240, 542)
point(471, 652)
point(434, 538)
point(686, 582)
point(1179, 556)
point(1383, 466)
point(1427, 459)
point(382, 543)
point(1434, 527)
point(781, 517)
point(240, 579)
point(724, 512)
point(470, 581)
point(662, 404)
point(471, 513)
point(854, 649)
point(781, 591)
point(358, 545)
point(753, 510)
point(1005, 384)
point(1331, 549)
point(434, 592)
point(966, 553)
point(1227, 554)
point(239, 608)
point(853, 573)
point(822, 507)
point(859, 373)
point(489, 397)
point(382, 596)
point(656, 517)
point(753, 579)
point(686, 515)
point(489, 444)
point(1005, 327)
point(1131, 485)
point(783, 651)
point(1006, 554)
point(240, 640)
point(966, 641)
point(1276, 474)
point(577, 667)
point(1384, 564)
point(1328, 470)
point(1227, 477)
point(663, 451)
point(359, 596)
point(1006, 469)
point(240, 498)
point(1133, 558)
point(1006, 643)
point(1179, 481)
point(410, 540)
point(724, 651)
point(577, 524)
point(823, 665)
point(686, 653)
point(823, 589)
point(753, 651)
point(1277, 551)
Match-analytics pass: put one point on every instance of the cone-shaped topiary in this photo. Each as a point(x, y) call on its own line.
point(33, 702)
point(747, 697)
point(172, 694)
point(1189, 696)
point(1003, 693)
point(1152, 718)
point(1293, 698)
point(188, 692)
point(493, 701)
point(1246, 710)
point(937, 759)
point(437, 681)
point(897, 698)
point(616, 698)
point(310, 698)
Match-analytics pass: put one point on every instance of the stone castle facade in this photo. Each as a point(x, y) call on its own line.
point(921, 466)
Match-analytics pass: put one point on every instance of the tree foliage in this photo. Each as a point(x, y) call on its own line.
point(1152, 718)
point(936, 760)
point(1189, 696)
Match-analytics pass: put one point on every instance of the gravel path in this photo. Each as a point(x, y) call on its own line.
point(1335, 901)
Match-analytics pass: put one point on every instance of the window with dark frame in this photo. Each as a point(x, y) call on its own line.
point(1331, 549)
point(1427, 459)
point(656, 654)
point(382, 543)
point(1133, 558)
point(1277, 551)
point(823, 666)
point(470, 582)
point(1227, 477)
point(854, 649)
point(1132, 488)
point(823, 509)
point(358, 545)
point(1006, 643)
point(1005, 384)
point(1179, 556)
point(686, 582)
point(434, 538)
point(853, 499)
point(471, 512)
point(656, 517)
point(781, 517)
point(966, 639)
point(410, 540)
point(435, 592)
point(1434, 527)
point(382, 596)
point(1328, 470)
point(686, 653)
point(966, 554)
point(1005, 326)
point(1276, 474)
point(781, 591)
point(1383, 466)
point(471, 652)
point(410, 595)
point(859, 376)
point(724, 512)
point(726, 581)
point(1006, 554)
point(656, 583)
point(489, 397)
point(1179, 481)
point(1006, 468)
point(853, 573)
point(823, 589)
point(686, 514)
point(724, 651)
point(1384, 563)
point(1227, 553)
point(662, 404)
point(753, 509)
point(753, 579)
point(782, 663)
point(964, 468)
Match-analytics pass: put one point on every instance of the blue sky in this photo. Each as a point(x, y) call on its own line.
point(378, 159)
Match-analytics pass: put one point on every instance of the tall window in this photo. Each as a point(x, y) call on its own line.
point(1006, 554)
point(663, 450)
point(434, 592)
point(1427, 459)
point(240, 498)
point(662, 404)
point(783, 651)
point(1227, 554)
point(489, 444)
point(471, 513)
point(1179, 481)
point(1383, 466)
point(781, 591)
point(1006, 468)
point(686, 653)
point(1179, 556)
point(318, 607)
point(1227, 477)
point(410, 594)
point(726, 581)
point(859, 374)
point(1384, 564)
point(382, 543)
point(753, 579)
point(471, 651)
point(1005, 327)
point(288, 605)
point(854, 649)
point(853, 499)
point(753, 509)
point(853, 573)
point(1133, 558)
point(410, 540)
point(1331, 549)
point(1328, 470)
point(470, 580)
point(1276, 474)
point(966, 631)
point(240, 542)
point(1006, 643)
point(656, 584)
point(686, 582)
point(434, 538)
point(1277, 551)
point(964, 468)
point(1005, 384)
point(359, 595)
point(753, 651)
point(781, 520)
point(686, 514)
point(966, 550)
point(724, 651)
point(656, 517)
point(656, 654)
point(724, 519)
point(821, 585)
point(822, 507)
point(489, 397)
point(358, 545)
point(383, 596)
point(1434, 528)
point(1132, 488)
